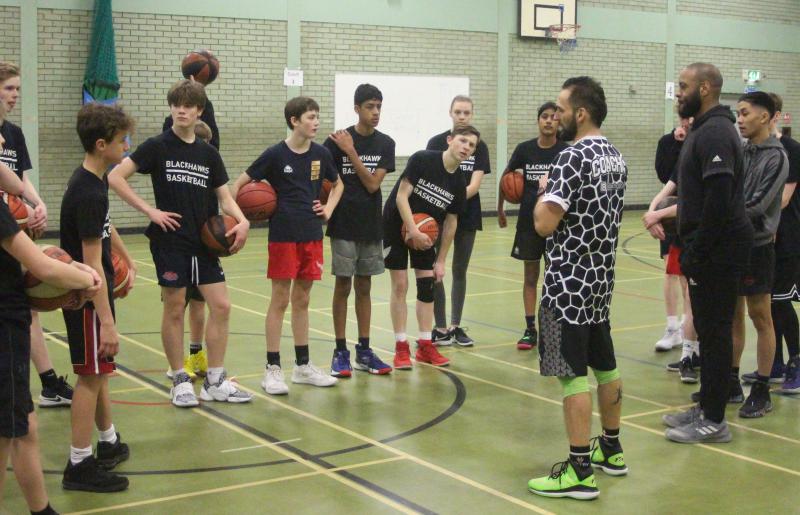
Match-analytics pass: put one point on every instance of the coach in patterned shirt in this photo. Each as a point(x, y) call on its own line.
point(579, 214)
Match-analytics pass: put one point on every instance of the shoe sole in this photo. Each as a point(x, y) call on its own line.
point(207, 397)
point(611, 471)
point(48, 402)
point(274, 393)
point(576, 494)
point(69, 485)
point(373, 371)
point(328, 385)
point(447, 363)
point(725, 438)
point(757, 414)
point(470, 344)
point(443, 343)
point(689, 380)
point(524, 346)
point(772, 380)
point(109, 464)
point(344, 373)
point(788, 391)
point(403, 367)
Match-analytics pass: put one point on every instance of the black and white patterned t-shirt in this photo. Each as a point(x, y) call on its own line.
point(588, 182)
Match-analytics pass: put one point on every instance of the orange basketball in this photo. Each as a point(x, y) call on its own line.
point(424, 223)
point(325, 190)
point(512, 185)
point(121, 276)
point(46, 297)
point(202, 65)
point(257, 200)
point(213, 234)
point(18, 208)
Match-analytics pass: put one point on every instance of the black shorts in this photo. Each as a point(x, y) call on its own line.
point(568, 350)
point(528, 246)
point(760, 274)
point(193, 293)
point(784, 287)
point(15, 388)
point(83, 335)
point(396, 253)
point(664, 244)
point(178, 269)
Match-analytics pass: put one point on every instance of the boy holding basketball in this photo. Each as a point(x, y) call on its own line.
point(87, 235)
point(188, 175)
point(363, 157)
point(295, 168)
point(534, 159)
point(430, 184)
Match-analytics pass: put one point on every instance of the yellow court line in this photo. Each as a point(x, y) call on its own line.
point(656, 411)
point(129, 390)
point(222, 489)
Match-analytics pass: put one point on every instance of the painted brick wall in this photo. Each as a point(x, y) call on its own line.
point(774, 11)
point(9, 49)
point(631, 5)
point(635, 119)
point(402, 50)
point(248, 96)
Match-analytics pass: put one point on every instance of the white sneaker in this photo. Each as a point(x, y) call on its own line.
point(309, 374)
point(273, 382)
point(183, 393)
point(670, 340)
point(224, 390)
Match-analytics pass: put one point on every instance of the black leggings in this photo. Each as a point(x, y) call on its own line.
point(784, 320)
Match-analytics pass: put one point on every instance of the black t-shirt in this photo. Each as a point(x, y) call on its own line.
point(534, 162)
point(357, 216)
point(436, 192)
point(470, 219)
point(787, 240)
point(208, 117)
point(85, 215)
point(713, 147)
point(15, 151)
point(184, 177)
point(667, 153)
point(297, 179)
point(13, 302)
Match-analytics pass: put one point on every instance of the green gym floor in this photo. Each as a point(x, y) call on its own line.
point(464, 439)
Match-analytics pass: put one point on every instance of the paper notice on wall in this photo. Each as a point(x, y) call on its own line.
point(292, 77)
point(669, 91)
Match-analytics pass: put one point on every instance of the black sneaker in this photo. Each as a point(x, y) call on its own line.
point(735, 394)
point(675, 366)
point(56, 394)
point(758, 403)
point(528, 340)
point(687, 371)
point(461, 339)
point(88, 476)
point(442, 338)
point(109, 455)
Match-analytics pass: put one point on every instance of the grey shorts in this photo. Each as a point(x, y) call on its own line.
point(351, 258)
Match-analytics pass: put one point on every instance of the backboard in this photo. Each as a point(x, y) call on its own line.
point(536, 16)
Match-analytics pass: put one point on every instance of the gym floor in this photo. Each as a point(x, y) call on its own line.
point(464, 439)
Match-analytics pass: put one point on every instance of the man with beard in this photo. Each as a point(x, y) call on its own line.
point(717, 238)
point(579, 214)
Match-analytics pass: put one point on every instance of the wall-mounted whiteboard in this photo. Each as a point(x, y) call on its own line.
point(415, 107)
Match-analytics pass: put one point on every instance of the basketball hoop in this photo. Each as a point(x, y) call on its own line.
point(566, 35)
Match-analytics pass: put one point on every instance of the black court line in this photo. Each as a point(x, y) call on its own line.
point(642, 261)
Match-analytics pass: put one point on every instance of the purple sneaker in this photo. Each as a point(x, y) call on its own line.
point(791, 383)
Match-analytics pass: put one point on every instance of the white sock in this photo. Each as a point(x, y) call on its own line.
point(78, 455)
point(400, 337)
point(423, 335)
point(672, 323)
point(109, 435)
point(686, 351)
point(213, 374)
point(695, 346)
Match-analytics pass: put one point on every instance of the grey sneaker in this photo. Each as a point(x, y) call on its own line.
point(700, 430)
point(224, 390)
point(309, 374)
point(182, 392)
point(682, 418)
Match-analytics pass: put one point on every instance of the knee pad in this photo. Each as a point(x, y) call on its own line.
point(425, 289)
point(606, 376)
point(574, 385)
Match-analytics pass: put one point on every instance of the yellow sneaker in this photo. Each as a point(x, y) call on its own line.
point(192, 375)
point(197, 363)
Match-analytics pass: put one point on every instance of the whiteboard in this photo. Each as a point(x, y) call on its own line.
point(415, 107)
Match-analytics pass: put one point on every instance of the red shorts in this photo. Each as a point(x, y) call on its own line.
point(295, 260)
point(674, 261)
point(83, 334)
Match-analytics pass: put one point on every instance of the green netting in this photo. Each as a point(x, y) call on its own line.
point(100, 79)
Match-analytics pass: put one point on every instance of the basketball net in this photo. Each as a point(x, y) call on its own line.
point(566, 35)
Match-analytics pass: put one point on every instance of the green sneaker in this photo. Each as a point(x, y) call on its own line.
point(564, 482)
point(609, 462)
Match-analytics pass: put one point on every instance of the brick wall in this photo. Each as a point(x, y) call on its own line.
point(631, 5)
point(10, 51)
point(363, 48)
point(635, 120)
point(248, 96)
point(774, 11)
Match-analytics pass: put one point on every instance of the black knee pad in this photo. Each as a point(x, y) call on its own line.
point(425, 289)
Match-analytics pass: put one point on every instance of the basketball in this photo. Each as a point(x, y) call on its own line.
point(213, 234)
point(202, 65)
point(257, 200)
point(18, 208)
point(325, 190)
point(670, 224)
point(46, 297)
point(424, 223)
point(512, 185)
point(121, 276)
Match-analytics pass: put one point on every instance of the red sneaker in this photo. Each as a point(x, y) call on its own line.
point(427, 353)
point(402, 356)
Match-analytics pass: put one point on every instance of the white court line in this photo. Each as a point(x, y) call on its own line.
point(261, 445)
